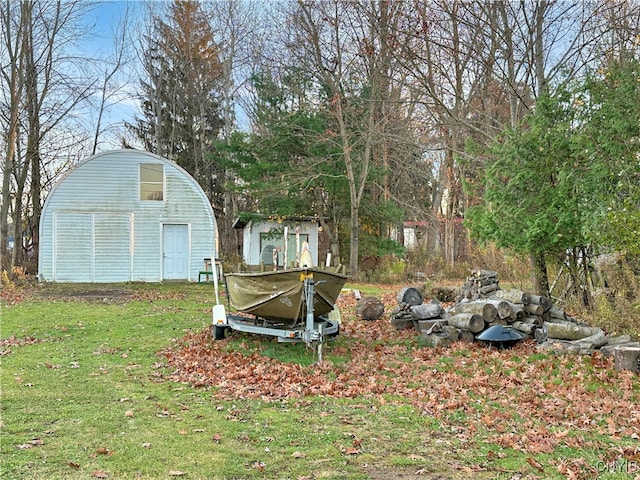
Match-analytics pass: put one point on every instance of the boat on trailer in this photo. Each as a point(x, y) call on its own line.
point(277, 296)
point(296, 304)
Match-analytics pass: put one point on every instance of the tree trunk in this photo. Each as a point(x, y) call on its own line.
point(503, 309)
point(354, 225)
point(15, 85)
point(534, 309)
point(33, 146)
point(540, 275)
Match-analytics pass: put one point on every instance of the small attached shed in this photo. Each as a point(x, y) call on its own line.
point(126, 215)
point(261, 235)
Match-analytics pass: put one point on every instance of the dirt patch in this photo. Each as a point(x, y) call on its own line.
point(415, 474)
point(84, 292)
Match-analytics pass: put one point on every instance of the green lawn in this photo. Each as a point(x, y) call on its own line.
point(87, 392)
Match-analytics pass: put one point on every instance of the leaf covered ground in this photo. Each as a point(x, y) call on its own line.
point(522, 399)
point(126, 381)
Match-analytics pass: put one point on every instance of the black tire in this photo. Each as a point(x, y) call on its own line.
point(219, 331)
point(336, 333)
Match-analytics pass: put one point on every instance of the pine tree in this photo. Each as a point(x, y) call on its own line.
point(181, 103)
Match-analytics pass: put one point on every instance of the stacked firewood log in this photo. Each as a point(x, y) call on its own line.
point(481, 303)
point(479, 284)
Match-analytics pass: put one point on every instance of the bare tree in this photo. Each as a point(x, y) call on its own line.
point(616, 25)
point(44, 90)
point(344, 48)
point(12, 78)
point(470, 58)
point(111, 85)
point(236, 25)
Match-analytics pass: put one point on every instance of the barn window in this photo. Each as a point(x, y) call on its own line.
point(151, 181)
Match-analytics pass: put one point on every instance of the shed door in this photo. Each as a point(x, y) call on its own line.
point(175, 252)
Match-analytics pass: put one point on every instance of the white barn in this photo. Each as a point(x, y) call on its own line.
point(126, 215)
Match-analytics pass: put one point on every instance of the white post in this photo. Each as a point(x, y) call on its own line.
point(286, 247)
point(298, 247)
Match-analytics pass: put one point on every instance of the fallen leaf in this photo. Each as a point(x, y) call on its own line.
point(128, 413)
point(298, 455)
point(176, 473)
point(535, 464)
point(259, 466)
point(73, 464)
point(100, 474)
point(146, 445)
point(217, 437)
point(103, 451)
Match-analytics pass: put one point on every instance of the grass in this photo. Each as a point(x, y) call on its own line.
point(85, 394)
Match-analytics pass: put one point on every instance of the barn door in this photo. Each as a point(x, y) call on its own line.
point(175, 252)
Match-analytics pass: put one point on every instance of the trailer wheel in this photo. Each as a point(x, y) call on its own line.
point(219, 331)
point(336, 333)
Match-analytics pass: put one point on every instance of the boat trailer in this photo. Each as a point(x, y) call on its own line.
point(314, 331)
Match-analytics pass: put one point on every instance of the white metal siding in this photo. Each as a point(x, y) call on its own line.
point(112, 256)
point(73, 247)
point(147, 240)
point(126, 234)
point(253, 229)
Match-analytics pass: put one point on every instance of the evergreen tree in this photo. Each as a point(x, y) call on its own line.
point(611, 111)
point(290, 165)
point(534, 201)
point(181, 103)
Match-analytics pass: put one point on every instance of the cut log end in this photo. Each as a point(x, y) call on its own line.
point(627, 358)
point(370, 308)
point(409, 296)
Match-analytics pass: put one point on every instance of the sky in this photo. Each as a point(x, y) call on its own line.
point(103, 21)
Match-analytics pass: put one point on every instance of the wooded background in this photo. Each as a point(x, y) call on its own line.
point(515, 121)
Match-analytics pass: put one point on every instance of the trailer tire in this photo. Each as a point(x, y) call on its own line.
point(336, 333)
point(219, 331)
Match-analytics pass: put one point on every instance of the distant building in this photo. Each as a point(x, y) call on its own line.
point(126, 215)
point(262, 239)
point(414, 233)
